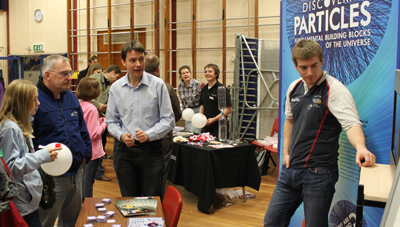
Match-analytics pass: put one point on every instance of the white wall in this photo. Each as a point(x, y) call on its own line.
point(26, 32)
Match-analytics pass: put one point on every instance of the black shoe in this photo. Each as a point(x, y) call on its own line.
point(104, 179)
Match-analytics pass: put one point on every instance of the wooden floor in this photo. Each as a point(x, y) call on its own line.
point(238, 213)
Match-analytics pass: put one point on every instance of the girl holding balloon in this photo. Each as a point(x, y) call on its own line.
point(88, 89)
point(20, 101)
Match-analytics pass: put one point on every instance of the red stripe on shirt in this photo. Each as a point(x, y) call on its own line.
point(322, 123)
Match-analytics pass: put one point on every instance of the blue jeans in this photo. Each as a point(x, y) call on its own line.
point(312, 186)
point(68, 201)
point(89, 172)
point(139, 169)
point(33, 219)
point(100, 169)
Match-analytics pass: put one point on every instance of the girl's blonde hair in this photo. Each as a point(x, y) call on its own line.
point(17, 101)
point(93, 67)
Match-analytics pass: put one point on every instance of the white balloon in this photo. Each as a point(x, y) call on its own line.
point(199, 120)
point(187, 114)
point(62, 163)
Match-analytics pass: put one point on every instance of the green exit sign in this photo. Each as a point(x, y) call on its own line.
point(38, 47)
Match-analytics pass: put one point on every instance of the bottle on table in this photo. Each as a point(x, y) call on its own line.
point(221, 98)
point(222, 128)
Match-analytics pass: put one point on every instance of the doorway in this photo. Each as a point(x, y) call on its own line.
point(118, 39)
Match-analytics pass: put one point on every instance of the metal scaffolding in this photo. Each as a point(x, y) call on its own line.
point(75, 31)
point(255, 90)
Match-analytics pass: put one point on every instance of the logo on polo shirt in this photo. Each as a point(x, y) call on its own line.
point(74, 114)
point(317, 101)
point(295, 100)
point(211, 96)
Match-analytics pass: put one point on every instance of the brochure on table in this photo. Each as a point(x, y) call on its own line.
point(133, 207)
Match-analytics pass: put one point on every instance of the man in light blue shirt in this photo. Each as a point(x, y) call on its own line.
point(139, 115)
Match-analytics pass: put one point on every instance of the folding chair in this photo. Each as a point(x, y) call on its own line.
point(172, 206)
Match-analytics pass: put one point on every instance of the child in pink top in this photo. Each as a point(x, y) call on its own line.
point(87, 90)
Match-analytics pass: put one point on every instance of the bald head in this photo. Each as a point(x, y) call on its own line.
point(152, 65)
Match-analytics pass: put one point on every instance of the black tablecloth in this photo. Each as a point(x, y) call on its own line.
point(203, 169)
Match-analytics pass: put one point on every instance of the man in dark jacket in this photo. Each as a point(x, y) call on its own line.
point(60, 119)
point(153, 67)
point(82, 74)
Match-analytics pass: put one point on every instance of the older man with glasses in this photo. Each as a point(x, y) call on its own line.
point(60, 119)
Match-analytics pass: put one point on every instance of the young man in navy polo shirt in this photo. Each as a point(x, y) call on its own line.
point(209, 100)
point(318, 107)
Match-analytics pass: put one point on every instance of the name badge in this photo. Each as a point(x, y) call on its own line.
point(212, 98)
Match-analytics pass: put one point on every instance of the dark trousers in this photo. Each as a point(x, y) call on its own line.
point(100, 169)
point(139, 169)
point(33, 219)
point(89, 172)
point(167, 158)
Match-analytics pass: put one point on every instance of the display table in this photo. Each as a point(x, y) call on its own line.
point(374, 187)
point(377, 181)
point(201, 170)
point(89, 209)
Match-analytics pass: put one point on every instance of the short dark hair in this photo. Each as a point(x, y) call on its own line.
point(152, 63)
point(114, 68)
point(306, 49)
point(180, 70)
point(88, 89)
point(184, 67)
point(92, 58)
point(215, 67)
point(131, 45)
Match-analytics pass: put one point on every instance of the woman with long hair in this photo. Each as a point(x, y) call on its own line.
point(20, 101)
point(89, 89)
point(95, 68)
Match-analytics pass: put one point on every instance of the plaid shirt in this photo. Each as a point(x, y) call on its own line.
point(190, 96)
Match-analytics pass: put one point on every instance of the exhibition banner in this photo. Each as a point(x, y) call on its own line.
point(359, 41)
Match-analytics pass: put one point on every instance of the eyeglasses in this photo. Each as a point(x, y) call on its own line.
point(63, 74)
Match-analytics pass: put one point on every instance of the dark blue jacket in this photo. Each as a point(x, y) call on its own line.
point(61, 120)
